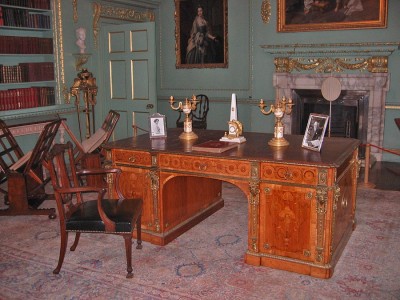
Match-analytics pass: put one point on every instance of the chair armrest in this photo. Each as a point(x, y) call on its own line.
point(76, 190)
point(98, 171)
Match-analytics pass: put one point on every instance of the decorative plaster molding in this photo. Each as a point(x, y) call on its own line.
point(75, 10)
point(371, 57)
point(118, 13)
point(59, 51)
point(327, 65)
point(339, 49)
point(265, 11)
point(392, 107)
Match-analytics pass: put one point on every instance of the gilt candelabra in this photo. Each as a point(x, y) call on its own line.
point(186, 108)
point(281, 108)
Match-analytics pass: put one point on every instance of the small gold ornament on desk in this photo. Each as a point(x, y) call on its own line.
point(186, 108)
point(281, 108)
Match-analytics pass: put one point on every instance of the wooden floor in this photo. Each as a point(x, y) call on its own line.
point(384, 175)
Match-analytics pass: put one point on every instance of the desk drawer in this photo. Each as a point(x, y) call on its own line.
point(204, 165)
point(289, 173)
point(132, 157)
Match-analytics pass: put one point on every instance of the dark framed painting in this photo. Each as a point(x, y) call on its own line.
point(314, 15)
point(201, 28)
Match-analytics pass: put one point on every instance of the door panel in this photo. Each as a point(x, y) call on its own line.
point(130, 81)
point(118, 80)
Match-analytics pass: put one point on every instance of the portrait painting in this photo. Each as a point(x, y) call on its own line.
point(201, 33)
point(315, 131)
point(314, 15)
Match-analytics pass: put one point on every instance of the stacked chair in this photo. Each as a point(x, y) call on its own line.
point(24, 172)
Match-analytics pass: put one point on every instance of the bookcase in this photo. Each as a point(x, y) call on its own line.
point(28, 40)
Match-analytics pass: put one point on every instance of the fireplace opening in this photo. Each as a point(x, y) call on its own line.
point(348, 113)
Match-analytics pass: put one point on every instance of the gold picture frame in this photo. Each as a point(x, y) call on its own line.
point(201, 33)
point(315, 132)
point(316, 15)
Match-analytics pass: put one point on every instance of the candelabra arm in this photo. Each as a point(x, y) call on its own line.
point(171, 103)
point(262, 106)
point(267, 112)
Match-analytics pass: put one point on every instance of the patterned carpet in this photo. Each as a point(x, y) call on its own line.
point(204, 263)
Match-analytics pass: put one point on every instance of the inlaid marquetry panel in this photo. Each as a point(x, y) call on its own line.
point(203, 165)
point(287, 221)
point(289, 173)
point(136, 183)
point(132, 157)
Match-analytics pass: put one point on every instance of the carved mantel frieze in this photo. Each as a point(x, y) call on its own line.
point(328, 58)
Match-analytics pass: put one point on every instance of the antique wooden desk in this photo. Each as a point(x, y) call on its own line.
point(301, 203)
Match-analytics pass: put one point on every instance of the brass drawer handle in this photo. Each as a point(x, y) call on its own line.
point(132, 159)
point(288, 175)
point(202, 167)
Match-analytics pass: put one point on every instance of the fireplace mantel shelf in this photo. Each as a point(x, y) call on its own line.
point(334, 49)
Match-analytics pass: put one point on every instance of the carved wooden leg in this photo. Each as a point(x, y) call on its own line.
point(139, 232)
point(77, 236)
point(128, 250)
point(63, 249)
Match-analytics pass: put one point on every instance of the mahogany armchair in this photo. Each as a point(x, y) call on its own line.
point(24, 172)
point(199, 116)
point(84, 208)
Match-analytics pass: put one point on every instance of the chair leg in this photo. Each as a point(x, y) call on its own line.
point(77, 236)
point(128, 250)
point(139, 232)
point(63, 249)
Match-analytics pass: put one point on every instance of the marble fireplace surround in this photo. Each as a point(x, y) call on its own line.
point(375, 85)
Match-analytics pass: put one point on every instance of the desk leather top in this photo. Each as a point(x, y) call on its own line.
point(334, 150)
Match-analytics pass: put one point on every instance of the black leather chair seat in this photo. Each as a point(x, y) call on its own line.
point(123, 212)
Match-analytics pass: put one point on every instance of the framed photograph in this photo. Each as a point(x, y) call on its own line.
point(315, 131)
point(157, 125)
point(313, 15)
point(201, 33)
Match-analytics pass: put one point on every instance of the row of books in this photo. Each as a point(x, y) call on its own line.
point(25, 45)
point(26, 98)
point(14, 17)
point(41, 4)
point(27, 72)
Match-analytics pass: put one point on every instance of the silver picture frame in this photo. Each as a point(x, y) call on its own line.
point(157, 126)
point(315, 132)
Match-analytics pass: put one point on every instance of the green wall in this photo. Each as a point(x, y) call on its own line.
point(250, 70)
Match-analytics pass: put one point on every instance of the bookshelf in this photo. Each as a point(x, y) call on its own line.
point(30, 56)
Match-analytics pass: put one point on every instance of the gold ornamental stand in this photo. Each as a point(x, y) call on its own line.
point(281, 108)
point(186, 108)
point(86, 84)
